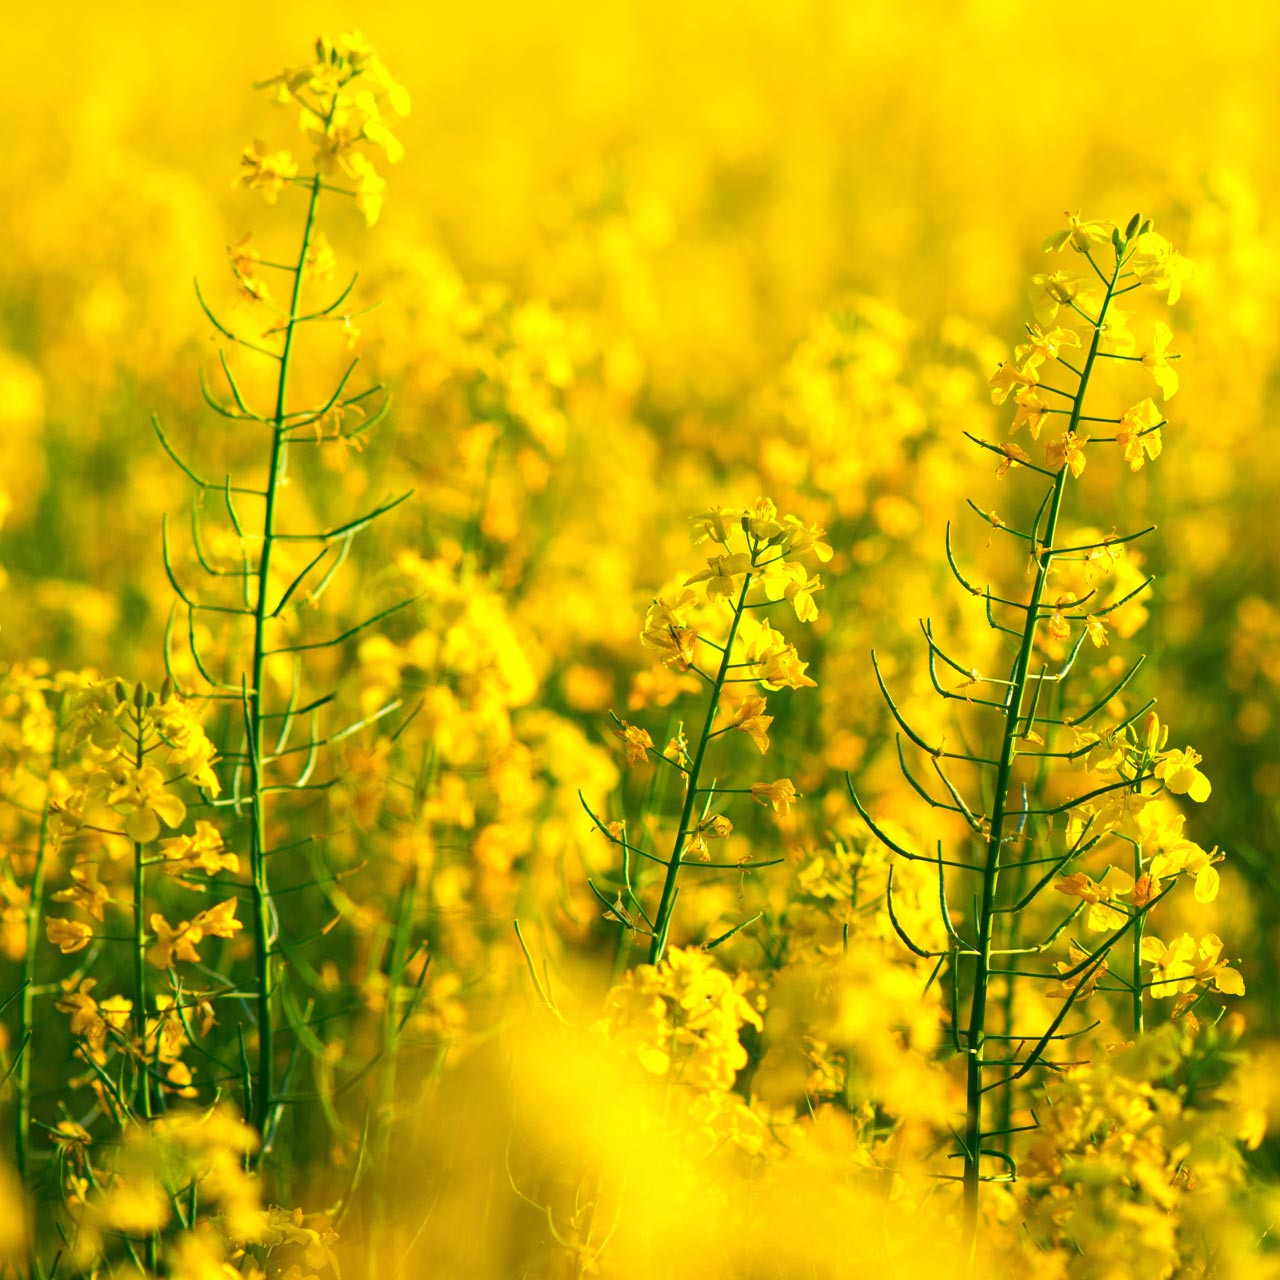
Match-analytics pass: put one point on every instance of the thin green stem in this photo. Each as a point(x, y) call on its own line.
point(143, 1086)
point(26, 1011)
point(1138, 1018)
point(265, 1109)
point(1018, 678)
point(662, 921)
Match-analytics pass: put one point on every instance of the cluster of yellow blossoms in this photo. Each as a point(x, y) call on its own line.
point(1067, 306)
point(757, 566)
point(681, 1019)
point(342, 98)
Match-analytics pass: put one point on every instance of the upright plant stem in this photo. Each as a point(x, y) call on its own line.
point(140, 962)
point(662, 921)
point(26, 1010)
point(976, 1034)
point(143, 1089)
point(265, 1105)
point(1136, 976)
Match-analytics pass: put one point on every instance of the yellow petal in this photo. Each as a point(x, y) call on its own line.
point(1207, 884)
point(1229, 982)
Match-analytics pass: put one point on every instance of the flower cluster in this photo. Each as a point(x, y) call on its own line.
point(681, 1018)
point(1071, 326)
point(343, 98)
point(134, 751)
point(758, 564)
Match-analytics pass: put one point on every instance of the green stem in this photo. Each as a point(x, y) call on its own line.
point(1021, 877)
point(143, 1088)
point(1138, 1017)
point(265, 1106)
point(662, 921)
point(26, 1013)
point(976, 1034)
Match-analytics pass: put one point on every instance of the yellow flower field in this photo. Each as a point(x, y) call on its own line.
point(640, 639)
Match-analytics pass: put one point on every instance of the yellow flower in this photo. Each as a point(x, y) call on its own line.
point(781, 794)
point(1138, 434)
point(1031, 410)
point(1157, 360)
point(801, 537)
point(173, 943)
point(667, 630)
point(265, 171)
point(1052, 292)
point(682, 1017)
point(202, 851)
point(1178, 771)
point(1167, 851)
point(762, 520)
point(141, 797)
point(1083, 237)
point(801, 593)
point(1014, 455)
point(1157, 263)
point(1117, 338)
point(1183, 965)
point(724, 575)
point(1059, 623)
point(67, 935)
point(88, 893)
point(1041, 346)
point(1101, 916)
point(321, 261)
point(90, 1019)
point(219, 921)
point(782, 669)
point(369, 188)
point(717, 525)
point(751, 719)
point(1174, 970)
point(1009, 378)
point(1067, 451)
point(636, 742)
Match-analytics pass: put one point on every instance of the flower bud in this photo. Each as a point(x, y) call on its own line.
point(120, 690)
point(1131, 229)
point(1154, 735)
point(140, 695)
